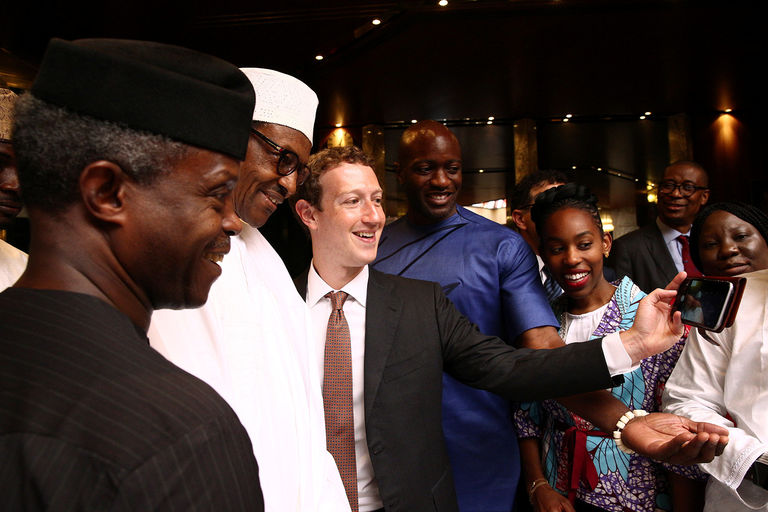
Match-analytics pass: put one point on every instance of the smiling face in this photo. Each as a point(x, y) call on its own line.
point(429, 169)
point(260, 188)
point(572, 247)
point(10, 197)
point(179, 229)
point(675, 210)
point(346, 226)
point(730, 246)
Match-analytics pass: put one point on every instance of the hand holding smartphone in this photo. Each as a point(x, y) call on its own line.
point(709, 303)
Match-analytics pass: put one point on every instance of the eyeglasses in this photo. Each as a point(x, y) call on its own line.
point(687, 188)
point(287, 161)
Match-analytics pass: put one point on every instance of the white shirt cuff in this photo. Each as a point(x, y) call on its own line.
point(616, 357)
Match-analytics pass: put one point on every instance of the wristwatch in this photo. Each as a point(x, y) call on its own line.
point(758, 472)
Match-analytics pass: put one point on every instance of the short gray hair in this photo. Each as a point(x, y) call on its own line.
point(53, 145)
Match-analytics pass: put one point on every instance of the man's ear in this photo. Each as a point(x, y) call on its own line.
point(517, 218)
point(103, 189)
point(306, 213)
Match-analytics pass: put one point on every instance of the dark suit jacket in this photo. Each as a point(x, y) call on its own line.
point(412, 334)
point(643, 256)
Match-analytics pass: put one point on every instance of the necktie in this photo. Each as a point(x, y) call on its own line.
point(337, 396)
point(688, 265)
point(551, 287)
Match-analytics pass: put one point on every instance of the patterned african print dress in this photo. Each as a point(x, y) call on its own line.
point(578, 458)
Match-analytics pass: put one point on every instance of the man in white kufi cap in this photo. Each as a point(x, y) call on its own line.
point(12, 261)
point(250, 340)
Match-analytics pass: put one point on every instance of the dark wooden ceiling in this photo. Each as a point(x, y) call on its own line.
point(509, 59)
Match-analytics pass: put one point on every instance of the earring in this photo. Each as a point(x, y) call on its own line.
point(606, 253)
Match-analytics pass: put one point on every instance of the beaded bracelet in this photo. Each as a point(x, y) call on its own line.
point(637, 413)
point(539, 482)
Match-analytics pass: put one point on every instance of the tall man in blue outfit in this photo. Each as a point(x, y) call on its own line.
point(491, 275)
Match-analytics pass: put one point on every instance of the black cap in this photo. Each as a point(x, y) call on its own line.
point(185, 95)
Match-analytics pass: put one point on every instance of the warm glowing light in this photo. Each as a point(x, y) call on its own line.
point(480, 170)
point(652, 197)
point(489, 122)
point(728, 110)
point(318, 57)
point(573, 167)
point(599, 168)
point(442, 3)
point(642, 117)
point(491, 118)
point(414, 121)
point(376, 21)
point(565, 119)
point(338, 125)
point(647, 113)
point(607, 221)
point(569, 116)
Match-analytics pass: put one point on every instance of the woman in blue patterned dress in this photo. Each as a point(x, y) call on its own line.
point(583, 467)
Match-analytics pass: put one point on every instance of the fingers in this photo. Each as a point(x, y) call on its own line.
point(703, 448)
point(676, 281)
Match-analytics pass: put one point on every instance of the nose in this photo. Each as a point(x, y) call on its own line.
point(288, 183)
point(572, 256)
point(373, 213)
point(728, 248)
point(9, 179)
point(440, 178)
point(230, 222)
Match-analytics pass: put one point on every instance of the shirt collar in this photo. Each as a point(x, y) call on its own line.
point(357, 288)
point(669, 233)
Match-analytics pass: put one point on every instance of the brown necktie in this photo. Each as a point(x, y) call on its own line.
point(688, 265)
point(337, 396)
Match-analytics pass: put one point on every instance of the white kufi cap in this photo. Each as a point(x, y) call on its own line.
point(7, 102)
point(283, 99)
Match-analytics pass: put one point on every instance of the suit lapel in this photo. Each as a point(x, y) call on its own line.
point(382, 315)
point(661, 256)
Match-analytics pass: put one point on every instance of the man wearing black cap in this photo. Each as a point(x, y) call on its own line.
point(128, 153)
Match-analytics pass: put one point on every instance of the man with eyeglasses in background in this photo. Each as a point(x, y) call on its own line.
point(652, 255)
point(249, 341)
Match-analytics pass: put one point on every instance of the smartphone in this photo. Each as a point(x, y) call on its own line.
point(709, 303)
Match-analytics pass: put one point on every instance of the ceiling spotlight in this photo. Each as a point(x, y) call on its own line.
point(414, 121)
point(376, 21)
point(569, 116)
point(338, 125)
point(647, 113)
point(489, 122)
point(479, 170)
point(318, 57)
point(491, 118)
point(728, 110)
point(573, 167)
point(642, 117)
point(442, 3)
point(565, 119)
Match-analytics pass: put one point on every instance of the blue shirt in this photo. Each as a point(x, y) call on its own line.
point(492, 277)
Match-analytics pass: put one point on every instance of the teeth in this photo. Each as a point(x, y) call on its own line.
point(364, 235)
point(214, 257)
point(576, 277)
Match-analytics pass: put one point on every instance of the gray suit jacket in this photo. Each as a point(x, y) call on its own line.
point(643, 256)
point(412, 334)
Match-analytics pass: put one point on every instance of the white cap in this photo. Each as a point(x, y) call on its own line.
point(7, 102)
point(283, 99)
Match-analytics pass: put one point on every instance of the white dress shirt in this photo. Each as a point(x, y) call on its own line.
point(13, 262)
point(711, 382)
point(674, 246)
point(354, 311)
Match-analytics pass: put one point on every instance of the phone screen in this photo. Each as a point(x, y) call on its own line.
point(703, 302)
